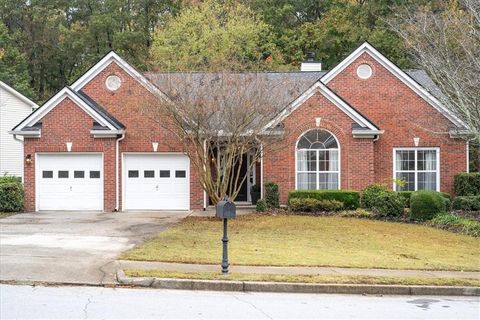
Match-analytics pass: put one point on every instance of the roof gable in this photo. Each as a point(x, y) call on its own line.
point(398, 73)
point(112, 57)
point(362, 122)
point(97, 114)
point(17, 94)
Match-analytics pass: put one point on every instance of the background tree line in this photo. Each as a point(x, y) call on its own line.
point(46, 44)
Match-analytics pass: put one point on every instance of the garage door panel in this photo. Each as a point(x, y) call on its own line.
point(70, 182)
point(156, 182)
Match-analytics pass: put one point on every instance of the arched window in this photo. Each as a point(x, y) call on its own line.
point(317, 161)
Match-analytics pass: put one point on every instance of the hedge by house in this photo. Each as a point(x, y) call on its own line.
point(350, 199)
point(370, 193)
point(471, 203)
point(11, 194)
point(408, 194)
point(314, 205)
point(424, 205)
point(467, 184)
point(272, 195)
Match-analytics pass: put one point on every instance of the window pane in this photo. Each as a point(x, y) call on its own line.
point(328, 160)
point(164, 173)
point(63, 174)
point(306, 160)
point(405, 160)
point(427, 181)
point(180, 173)
point(94, 174)
point(427, 160)
point(47, 174)
point(133, 173)
point(307, 181)
point(328, 181)
point(409, 179)
point(149, 174)
point(79, 174)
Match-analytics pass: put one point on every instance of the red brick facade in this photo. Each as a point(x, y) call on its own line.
point(383, 99)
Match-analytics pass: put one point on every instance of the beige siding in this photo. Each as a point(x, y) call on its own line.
point(12, 111)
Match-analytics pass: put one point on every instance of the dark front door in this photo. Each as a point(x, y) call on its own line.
point(243, 167)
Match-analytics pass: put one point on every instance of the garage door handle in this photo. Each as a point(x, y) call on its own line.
point(156, 188)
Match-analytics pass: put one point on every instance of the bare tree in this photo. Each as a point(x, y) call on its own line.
point(446, 43)
point(220, 118)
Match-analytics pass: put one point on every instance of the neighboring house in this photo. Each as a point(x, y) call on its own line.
point(364, 121)
point(14, 107)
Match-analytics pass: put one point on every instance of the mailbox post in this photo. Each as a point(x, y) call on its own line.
point(225, 210)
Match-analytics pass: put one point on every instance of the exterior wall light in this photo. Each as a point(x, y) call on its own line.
point(28, 159)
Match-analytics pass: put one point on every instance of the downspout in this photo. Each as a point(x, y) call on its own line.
point(117, 184)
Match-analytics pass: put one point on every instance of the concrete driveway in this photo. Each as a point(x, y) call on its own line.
point(73, 247)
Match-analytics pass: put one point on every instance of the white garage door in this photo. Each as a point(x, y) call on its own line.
point(69, 182)
point(156, 182)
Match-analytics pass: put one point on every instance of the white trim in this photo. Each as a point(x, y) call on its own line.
point(105, 62)
point(396, 71)
point(106, 133)
point(18, 95)
point(332, 97)
point(33, 133)
point(53, 102)
point(416, 149)
point(261, 171)
point(339, 157)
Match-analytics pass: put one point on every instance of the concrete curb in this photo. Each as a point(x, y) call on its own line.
point(249, 286)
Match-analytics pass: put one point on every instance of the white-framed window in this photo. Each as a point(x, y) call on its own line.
point(418, 167)
point(317, 161)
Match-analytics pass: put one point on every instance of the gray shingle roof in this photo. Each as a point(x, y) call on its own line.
point(287, 84)
point(99, 109)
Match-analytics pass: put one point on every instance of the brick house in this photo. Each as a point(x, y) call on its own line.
point(364, 121)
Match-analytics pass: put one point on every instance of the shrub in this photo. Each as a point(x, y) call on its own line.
point(424, 205)
point(261, 205)
point(271, 195)
point(467, 184)
point(359, 213)
point(350, 199)
point(10, 179)
point(314, 205)
point(370, 193)
point(470, 203)
point(388, 204)
point(11, 196)
point(407, 195)
point(455, 223)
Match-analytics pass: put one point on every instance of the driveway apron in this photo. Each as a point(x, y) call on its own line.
point(73, 247)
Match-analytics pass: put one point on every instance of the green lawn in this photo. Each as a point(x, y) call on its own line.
point(304, 278)
point(281, 240)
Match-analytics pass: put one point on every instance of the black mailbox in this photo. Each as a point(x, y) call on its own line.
point(226, 209)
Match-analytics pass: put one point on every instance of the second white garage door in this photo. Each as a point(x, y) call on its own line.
point(156, 182)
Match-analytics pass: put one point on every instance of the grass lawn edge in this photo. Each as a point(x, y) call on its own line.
point(308, 279)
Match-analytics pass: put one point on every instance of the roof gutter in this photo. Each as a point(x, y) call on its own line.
point(30, 134)
point(106, 133)
point(367, 134)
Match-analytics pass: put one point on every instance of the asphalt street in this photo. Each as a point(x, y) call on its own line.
point(26, 302)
